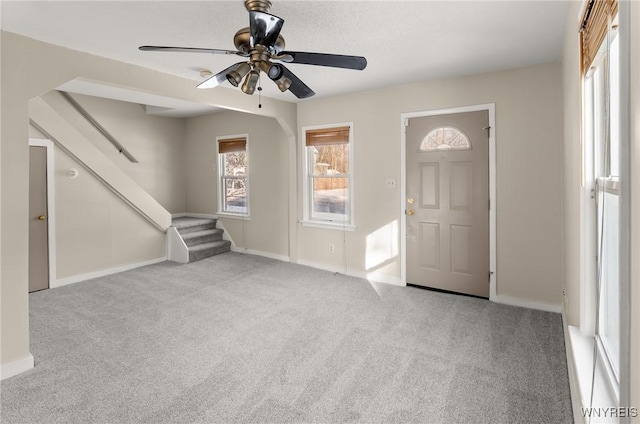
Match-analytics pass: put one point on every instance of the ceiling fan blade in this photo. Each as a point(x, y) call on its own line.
point(298, 88)
point(221, 76)
point(264, 28)
point(188, 50)
point(324, 59)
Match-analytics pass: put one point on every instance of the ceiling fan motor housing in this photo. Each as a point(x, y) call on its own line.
point(242, 41)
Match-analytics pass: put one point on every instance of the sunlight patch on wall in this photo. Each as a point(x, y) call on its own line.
point(382, 245)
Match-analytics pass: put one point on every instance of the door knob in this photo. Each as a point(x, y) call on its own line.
point(42, 217)
point(410, 212)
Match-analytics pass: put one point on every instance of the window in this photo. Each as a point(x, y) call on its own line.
point(448, 138)
point(328, 168)
point(601, 72)
point(233, 197)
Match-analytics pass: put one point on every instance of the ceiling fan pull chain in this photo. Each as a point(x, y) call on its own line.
point(260, 92)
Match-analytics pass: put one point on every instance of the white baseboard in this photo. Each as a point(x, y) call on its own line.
point(525, 303)
point(83, 277)
point(194, 215)
point(386, 279)
point(260, 253)
point(16, 367)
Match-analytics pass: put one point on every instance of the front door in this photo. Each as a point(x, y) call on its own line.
point(447, 202)
point(38, 227)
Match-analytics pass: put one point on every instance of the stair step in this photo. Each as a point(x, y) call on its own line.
point(200, 237)
point(206, 250)
point(186, 225)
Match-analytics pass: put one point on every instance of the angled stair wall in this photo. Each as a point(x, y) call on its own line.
point(48, 121)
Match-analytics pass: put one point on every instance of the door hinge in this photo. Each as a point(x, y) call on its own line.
point(406, 122)
point(488, 131)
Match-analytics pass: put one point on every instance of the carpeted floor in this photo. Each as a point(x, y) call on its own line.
point(244, 339)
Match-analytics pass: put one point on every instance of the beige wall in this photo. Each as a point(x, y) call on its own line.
point(96, 230)
point(529, 173)
point(155, 141)
point(23, 60)
point(267, 230)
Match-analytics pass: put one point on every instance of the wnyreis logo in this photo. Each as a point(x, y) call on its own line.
point(611, 412)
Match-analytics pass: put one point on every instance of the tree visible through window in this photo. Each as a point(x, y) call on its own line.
point(329, 174)
point(233, 175)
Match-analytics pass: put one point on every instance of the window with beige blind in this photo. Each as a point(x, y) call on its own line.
point(600, 69)
point(233, 176)
point(328, 170)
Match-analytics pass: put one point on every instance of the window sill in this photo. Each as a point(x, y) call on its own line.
point(582, 356)
point(234, 216)
point(327, 225)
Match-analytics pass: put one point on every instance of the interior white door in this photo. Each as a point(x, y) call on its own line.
point(447, 202)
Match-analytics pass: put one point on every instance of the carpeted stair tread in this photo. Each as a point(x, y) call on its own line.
point(204, 236)
point(206, 250)
point(186, 225)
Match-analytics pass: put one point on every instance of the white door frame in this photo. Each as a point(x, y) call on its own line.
point(404, 117)
point(51, 211)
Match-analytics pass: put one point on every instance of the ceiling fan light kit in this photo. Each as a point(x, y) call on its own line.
point(261, 44)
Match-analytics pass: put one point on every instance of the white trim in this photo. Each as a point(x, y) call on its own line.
point(574, 386)
point(16, 367)
point(229, 215)
point(306, 198)
point(526, 303)
point(51, 208)
point(91, 275)
point(404, 117)
point(269, 255)
point(177, 249)
point(327, 225)
point(369, 276)
point(194, 215)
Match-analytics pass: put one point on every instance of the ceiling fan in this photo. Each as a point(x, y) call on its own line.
point(263, 47)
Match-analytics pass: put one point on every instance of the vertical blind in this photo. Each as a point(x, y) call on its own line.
point(593, 29)
point(231, 145)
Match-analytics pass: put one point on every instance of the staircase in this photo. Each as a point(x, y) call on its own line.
point(201, 236)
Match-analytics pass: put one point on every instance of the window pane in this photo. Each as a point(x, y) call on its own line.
point(235, 163)
point(445, 138)
point(330, 195)
point(332, 159)
point(235, 195)
point(609, 318)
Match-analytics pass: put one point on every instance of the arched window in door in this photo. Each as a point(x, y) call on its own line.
point(445, 138)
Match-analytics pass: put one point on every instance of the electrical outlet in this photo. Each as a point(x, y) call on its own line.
point(391, 183)
point(332, 248)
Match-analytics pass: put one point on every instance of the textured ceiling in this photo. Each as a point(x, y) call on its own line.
point(403, 41)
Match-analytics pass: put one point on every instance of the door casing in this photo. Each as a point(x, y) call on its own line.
point(404, 118)
point(51, 213)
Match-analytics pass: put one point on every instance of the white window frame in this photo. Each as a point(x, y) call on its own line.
point(221, 179)
point(597, 180)
point(326, 220)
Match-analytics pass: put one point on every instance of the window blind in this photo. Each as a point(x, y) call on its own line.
point(593, 29)
point(231, 145)
point(327, 136)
